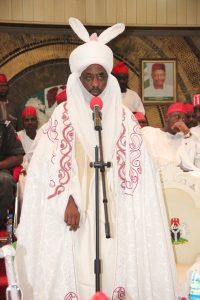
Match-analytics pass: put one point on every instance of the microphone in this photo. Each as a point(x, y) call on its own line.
point(96, 105)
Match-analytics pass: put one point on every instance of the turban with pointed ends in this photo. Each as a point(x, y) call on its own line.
point(94, 50)
point(176, 107)
point(119, 68)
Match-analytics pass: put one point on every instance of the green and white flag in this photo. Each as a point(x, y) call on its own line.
point(146, 77)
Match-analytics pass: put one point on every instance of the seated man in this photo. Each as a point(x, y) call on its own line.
point(11, 155)
point(191, 160)
point(129, 98)
point(164, 143)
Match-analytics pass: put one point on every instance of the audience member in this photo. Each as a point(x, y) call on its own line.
point(26, 136)
point(165, 142)
point(56, 238)
point(129, 98)
point(141, 119)
point(5, 113)
point(196, 104)
point(29, 131)
point(191, 148)
point(11, 155)
point(190, 119)
point(159, 88)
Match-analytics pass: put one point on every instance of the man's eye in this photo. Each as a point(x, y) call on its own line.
point(101, 76)
point(88, 78)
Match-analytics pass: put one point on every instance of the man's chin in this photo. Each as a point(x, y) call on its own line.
point(95, 93)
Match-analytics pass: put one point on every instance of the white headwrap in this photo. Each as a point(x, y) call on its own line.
point(78, 98)
point(94, 51)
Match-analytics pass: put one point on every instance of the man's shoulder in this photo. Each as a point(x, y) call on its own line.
point(132, 93)
point(196, 130)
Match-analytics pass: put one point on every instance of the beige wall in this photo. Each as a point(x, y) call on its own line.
point(103, 12)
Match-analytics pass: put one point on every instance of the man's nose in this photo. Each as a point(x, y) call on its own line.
point(95, 82)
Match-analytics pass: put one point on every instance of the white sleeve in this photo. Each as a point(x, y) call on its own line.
point(188, 154)
point(140, 106)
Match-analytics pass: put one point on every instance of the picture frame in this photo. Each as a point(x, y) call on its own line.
point(158, 82)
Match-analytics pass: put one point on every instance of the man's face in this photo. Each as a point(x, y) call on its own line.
point(122, 78)
point(30, 124)
point(190, 119)
point(197, 113)
point(3, 91)
point(172, 119)
point(94, 79)
point(158, 77)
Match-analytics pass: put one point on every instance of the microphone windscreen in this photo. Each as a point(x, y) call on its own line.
point(96, 101)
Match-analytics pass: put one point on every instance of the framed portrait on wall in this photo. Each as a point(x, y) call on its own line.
point(158, 80)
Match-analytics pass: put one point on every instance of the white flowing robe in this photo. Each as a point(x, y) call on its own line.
point(53, 263)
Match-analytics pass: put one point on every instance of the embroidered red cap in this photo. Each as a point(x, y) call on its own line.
point(158, 66)
point(196, 100)
point(61, 96)
point(189, 107)
point(3, 78)
point(139, 116)
point(29, 111)
point(176, 107)
point(120, 67)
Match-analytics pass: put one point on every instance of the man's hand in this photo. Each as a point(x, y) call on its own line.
point(181, 126)
point(72, 215)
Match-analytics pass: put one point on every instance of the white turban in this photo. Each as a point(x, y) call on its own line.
point(94, 51)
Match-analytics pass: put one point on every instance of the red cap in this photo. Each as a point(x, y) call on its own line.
point(61, 96)
point(139, 116)
point(99, 296)
point(189, 107)
point(120, 67)
point(96, 101)
point(176, 107)
point(196, 100)
point(3, 78)
point(29, 111)
point(158, 67)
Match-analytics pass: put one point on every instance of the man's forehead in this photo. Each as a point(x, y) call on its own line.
point(176, 113)
point(94, 69)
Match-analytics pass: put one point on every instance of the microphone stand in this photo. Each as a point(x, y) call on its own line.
point(99, 164)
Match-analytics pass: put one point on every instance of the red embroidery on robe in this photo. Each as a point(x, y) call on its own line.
point(71, 296)
point(129, 178)
point(65, 147)
point(119, 294)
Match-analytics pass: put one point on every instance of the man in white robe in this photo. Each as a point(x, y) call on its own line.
point(170, 144)
point(56, 237)
point(129, 97)
point(190, 154)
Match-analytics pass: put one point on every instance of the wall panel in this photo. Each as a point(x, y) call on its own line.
point(38, 11)
point(17, 10)
point(103, 12)
point(151, 12)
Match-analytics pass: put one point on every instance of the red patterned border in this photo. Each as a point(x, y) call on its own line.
point(129, 183)
point(119, 294)
point(71, 296)
point(66, 157)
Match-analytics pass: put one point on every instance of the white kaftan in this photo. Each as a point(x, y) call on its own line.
point(53, 263)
